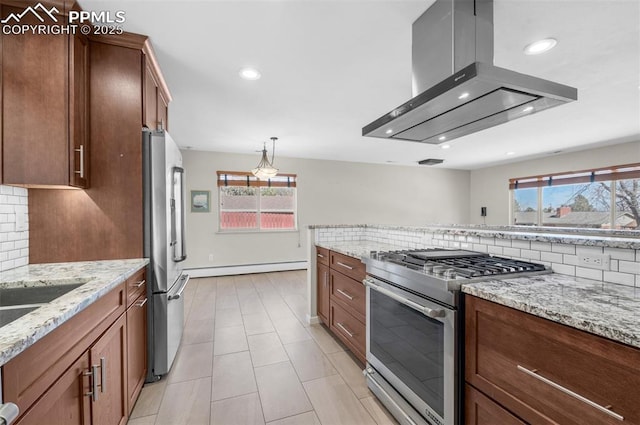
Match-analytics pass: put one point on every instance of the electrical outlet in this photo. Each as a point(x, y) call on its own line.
point(210, 257)
point(595, 261)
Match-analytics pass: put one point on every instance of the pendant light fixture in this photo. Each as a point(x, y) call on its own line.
point(265, 169)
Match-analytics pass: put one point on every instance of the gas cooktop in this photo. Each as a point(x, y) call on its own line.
point(438, 273)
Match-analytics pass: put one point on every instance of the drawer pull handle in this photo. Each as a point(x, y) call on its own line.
point(341, 326)
point(139, 284)
point(80, 150)
point(320, 256)
point(142, 303)
point(344, 265)
point(345, 294)
point(103, 374)
point(93, 377)
point(603, 409)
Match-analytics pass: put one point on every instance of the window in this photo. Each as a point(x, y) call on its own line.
point(248, 203)
point(604, 198)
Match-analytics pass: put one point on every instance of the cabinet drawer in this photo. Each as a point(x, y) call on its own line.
point(349, 293)
point(349, 266)
point(349, 329)
point(481, 410)
point(322, 255)
point(136, 286)
point(545, 372)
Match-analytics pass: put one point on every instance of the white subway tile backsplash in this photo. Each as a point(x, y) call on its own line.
point(488, 241)
point(480, 247)
point(589, 273)
point(570, 259)
point(563, 269)
point(529, 254)
point(6, 190)
point(14, 243)
point(540, 246)
point(511, 252)
point(629, 267)
point(613, 265)
point(503, 242)
point(589, 250)
point(562, 248)
point(517, 243)
point(620, 254)
point(497, 250)
point(621, 278)
point(553, 257)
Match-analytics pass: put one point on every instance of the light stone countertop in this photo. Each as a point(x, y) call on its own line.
point(101, 277)
point(606, 309)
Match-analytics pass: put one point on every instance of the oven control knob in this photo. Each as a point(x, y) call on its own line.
point(450, 274)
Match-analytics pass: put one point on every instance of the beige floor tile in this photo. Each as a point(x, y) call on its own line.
point(257, 324)
point(280, 391)
point(149, 400)
point(266, 349)
point(334, 402)
point(232, 376)
point(350, 371)
point(186, 403)
point(226, 317)
point(229, 340)
point(379, 413)
point(227, 301)
point(144, 420)
point(309, 418)
point(243, 410)
point(192, 362)
point(203, 307)
point(197, 331)
point(328, 344)
point(292, 332)
point(252, 305)
point(309, 361)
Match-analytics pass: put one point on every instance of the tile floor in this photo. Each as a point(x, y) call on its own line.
point(248, 357)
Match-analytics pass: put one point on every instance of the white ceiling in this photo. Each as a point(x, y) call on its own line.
point(331, 67)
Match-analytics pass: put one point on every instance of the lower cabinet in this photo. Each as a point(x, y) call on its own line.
point(481, 410)
point(136, 348)
point(323, 293)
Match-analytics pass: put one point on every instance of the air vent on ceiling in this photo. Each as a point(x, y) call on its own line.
point(431, 161)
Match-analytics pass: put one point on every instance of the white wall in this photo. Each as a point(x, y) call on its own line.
point(14, 227)
point(489, 187)
point(329, 192)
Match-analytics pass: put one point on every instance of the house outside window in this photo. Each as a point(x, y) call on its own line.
point(603, 198)
point(247, 203)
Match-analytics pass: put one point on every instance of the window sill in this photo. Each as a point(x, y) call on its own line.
point(242, 232)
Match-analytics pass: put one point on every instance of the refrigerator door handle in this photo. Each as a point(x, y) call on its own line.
point(177, 205)
point(181, 286)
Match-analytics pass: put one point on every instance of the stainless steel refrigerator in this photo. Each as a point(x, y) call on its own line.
point(164, 245)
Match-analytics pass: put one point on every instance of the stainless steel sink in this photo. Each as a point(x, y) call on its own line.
point(34, 294)
point(8, 315)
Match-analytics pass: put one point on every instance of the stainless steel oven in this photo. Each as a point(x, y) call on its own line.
point(412, 354)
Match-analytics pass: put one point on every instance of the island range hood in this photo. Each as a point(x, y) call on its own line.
point(457, 89)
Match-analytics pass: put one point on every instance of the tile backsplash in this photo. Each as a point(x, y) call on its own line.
point(561, 257)
point(14, 227)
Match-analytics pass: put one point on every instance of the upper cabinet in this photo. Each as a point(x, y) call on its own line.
point(45, 77)
point(155, 113)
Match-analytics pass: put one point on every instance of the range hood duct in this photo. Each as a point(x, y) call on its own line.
point(452, 54)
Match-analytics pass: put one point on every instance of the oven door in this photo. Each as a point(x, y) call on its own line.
point(411, 343)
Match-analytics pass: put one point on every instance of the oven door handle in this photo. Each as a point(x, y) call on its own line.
point(429, 312)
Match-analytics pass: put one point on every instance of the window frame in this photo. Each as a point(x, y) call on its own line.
point(245, 179)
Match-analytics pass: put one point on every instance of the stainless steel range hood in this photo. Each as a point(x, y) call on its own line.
point(457, 89)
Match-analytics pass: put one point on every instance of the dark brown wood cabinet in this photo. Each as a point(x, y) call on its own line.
point(136, 336)
point(481, 410)
point(322, 280)
point(341, 298)
point(155, 113)
point(543, 372)
point(106, 220)
point(44, 138)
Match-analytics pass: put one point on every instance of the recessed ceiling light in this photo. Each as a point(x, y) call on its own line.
point(510, 153)
point(464, 95)
point(528, 109)
point(445, 146)
point(540, 46)
point(389, 131)
point(250, 74)
point(441, 138)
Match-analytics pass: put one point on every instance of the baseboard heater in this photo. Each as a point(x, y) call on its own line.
point(246, 269)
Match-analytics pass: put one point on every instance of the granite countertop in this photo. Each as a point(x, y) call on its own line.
point(605, 309)
point(100, 277)
point(358, 249)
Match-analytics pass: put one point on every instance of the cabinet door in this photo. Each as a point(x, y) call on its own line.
point(136, 348)
point(163, 111)
point(35, 113)
point(66, 402)
point(109, 353)
point(150, 105)
point(481, 410)
point(323, 293)
point(79, 110)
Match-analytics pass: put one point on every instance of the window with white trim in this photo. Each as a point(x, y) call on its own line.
point(247, 203)
point(605, 198)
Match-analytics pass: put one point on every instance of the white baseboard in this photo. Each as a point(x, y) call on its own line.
point(312, 320)
point(246, 269)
